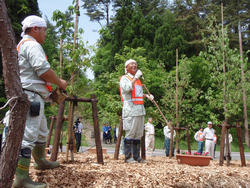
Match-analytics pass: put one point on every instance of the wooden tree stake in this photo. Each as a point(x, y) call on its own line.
point(96, 130)
point(118, 142)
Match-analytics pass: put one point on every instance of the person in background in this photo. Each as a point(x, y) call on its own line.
point(105, 133)
point(133, 111)
point(208, 135)
point(199, 138)
point(150, 136)
point(167, 134)
point(230, 140)
point(215, 141)
point(78, 132)
point(36, 77)
point(115, 133)
point(109, 136)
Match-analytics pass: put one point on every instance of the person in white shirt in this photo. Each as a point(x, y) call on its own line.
point(208, 135)
point(150, 136)
point(230, 139)
point(198, 137)
point(167, 134)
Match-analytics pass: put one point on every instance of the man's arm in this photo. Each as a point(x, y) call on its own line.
point(50, 76)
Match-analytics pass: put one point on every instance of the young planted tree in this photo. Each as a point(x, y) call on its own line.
point(193, 79)
point(229, 95)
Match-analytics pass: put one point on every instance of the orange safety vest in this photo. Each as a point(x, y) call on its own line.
point(216, 138)
point(137, 94)
point(199, 136)
point(48, 85)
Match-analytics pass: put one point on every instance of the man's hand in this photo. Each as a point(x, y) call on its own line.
point(138, 74)
point(50, 76)
point(150, 97)
point(63, 84)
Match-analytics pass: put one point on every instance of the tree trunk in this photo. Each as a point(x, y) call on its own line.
point(20, 106)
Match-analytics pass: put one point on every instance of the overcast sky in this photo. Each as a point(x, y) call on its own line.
point(47, 7)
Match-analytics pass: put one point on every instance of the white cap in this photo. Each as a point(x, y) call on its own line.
point(209, 123)
point(32, 21)
point(128, 62)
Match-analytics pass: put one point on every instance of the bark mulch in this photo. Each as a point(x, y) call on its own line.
point(159, 171)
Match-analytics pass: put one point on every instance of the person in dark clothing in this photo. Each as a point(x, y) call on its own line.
point(78, 132)
point(109, 137)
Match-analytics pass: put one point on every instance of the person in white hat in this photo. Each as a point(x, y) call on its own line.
point(208, 135)
point(35, 75)
point(133, 111)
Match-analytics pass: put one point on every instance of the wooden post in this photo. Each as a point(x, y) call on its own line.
point(171, 141)
point(73, 133)
point(222, 143)
point(69, 135)
point(188, 141)
point(243, 90)
point(96, 130)
point(227, 148)
point(177, 107)
point(143, 153)
point(50, 130)
point(59, 124)
point(242, 155)
point(118, 142)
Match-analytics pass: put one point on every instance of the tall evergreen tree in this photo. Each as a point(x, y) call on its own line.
point(98, 10)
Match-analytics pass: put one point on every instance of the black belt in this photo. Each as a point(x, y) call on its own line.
point(33, 92)
point(209, 139)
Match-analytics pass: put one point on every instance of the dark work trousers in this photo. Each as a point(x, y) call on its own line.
point(78, 137)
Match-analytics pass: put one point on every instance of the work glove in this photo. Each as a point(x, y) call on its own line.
point(138, 74)
point(150, 97)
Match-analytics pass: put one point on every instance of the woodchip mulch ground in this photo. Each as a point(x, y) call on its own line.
point(84, 171)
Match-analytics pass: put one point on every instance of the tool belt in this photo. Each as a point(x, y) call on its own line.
point(58, 95)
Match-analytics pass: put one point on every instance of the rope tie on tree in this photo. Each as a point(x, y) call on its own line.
point(13, 98)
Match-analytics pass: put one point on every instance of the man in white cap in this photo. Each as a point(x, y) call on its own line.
point(150, 136)
point(133, 111)
point(208, 135)
point(35, 75)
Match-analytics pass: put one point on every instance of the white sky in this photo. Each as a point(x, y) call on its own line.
point(47, 7)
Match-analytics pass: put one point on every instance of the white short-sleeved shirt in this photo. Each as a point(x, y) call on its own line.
point(167, 132)
point(79, 129)
point(208, 133)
